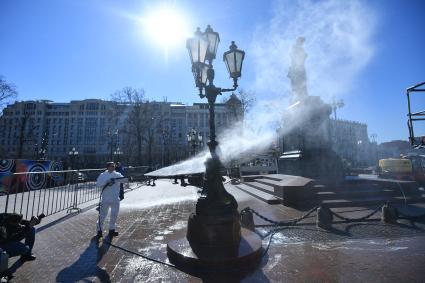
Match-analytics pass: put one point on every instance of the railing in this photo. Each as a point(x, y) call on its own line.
point(50, 192)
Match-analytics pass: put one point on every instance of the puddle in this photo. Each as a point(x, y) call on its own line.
point(178, 225)
point(368, 245)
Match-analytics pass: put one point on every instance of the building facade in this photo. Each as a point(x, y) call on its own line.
point(395, 149)
point(101, 130)
point(351, 142)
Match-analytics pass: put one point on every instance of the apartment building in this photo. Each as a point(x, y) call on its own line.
point(99, 129)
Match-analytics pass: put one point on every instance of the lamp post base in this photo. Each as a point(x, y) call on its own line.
point(186, 256)
point(222, 233)
point(214, 238)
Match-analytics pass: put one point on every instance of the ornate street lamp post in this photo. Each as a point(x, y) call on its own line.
point(73, 153)
point(43, 149)
point(194, 139)
point(118, 153)
point(165, 140)
point(214, 232)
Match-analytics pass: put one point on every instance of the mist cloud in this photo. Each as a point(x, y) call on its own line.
point(338, 43)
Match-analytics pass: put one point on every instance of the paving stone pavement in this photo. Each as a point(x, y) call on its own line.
point(152, 216)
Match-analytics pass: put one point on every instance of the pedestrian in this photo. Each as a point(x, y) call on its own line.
point(148, 177)
point(109, 198)
point(182, 182)
point(120, 169)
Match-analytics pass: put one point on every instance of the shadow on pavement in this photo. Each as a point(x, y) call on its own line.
point(66, 217)
point(87, 264)
point(11, 270)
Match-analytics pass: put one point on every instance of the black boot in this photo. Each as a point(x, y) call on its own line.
point(28, 257)
point(99, 234)
point(113, 233)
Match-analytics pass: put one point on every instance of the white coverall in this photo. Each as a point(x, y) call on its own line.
point(109, 199)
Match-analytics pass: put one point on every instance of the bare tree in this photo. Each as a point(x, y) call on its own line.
point(166, 141)
point(26, 127)
point(7, 92)
point(138, 121)
point(150, 139)
point(159, 137)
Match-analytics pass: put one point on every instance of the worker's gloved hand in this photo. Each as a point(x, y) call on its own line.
point(34, 221)
point(111, 182)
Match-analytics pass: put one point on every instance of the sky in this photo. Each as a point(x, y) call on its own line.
point(365, 53)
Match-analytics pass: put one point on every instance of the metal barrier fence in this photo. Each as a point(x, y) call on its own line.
point(49, 192)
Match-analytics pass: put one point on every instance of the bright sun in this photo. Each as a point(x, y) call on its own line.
point(166, 26)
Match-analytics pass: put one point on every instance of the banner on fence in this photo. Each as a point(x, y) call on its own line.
point(35, 180)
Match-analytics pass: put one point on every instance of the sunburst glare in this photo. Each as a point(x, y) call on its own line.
point(166, 26)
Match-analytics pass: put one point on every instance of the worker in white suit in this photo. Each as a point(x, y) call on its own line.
point(110, 198)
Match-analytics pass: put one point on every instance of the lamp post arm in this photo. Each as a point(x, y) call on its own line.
point(228, 89)
point(235, 86)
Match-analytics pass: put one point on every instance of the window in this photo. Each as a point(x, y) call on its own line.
point(92, 106)
point(30, 106)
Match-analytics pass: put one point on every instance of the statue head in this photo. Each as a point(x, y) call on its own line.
point(300, 40)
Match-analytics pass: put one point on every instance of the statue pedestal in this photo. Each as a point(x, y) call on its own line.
point(247, 254)
point(310, 138)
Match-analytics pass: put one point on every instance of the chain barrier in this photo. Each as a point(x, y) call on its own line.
point(293, 222)
point(346, 219)
point(410, 217)
point(281, 223)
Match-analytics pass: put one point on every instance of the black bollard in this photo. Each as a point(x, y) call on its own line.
point(324, 218)
point(389, 214)
point(247, 219)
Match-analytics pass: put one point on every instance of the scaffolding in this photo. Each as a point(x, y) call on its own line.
point(416, 142)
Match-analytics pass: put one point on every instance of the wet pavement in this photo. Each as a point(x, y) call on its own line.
point(151, 216)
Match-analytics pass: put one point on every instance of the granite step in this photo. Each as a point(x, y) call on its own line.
point(270, 182)
point(281, 184)
point(262, 187)
point(259, 194)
